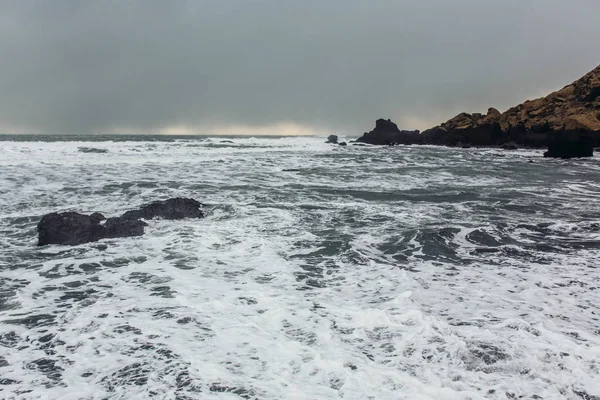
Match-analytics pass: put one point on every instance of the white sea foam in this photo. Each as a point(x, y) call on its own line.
point(320, 272)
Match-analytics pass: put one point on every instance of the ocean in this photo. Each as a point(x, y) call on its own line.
point(319, 272)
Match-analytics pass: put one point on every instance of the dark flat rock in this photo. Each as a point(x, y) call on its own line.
point(176, 208)
point(73, 228)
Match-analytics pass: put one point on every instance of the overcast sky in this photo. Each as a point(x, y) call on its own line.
point(277, 66)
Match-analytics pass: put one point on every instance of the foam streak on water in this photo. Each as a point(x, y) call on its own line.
point(320, 272)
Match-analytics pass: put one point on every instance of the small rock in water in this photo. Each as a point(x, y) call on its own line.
point(72, 228)
point(387, 133)
point(332, 139)
point(509, 146)
point(91, 150)
point(176, 208)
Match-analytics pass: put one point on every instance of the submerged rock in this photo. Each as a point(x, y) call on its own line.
point(91, 150)
point(72, 228)
point(510, 146)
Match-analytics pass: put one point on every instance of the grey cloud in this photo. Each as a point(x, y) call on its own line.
point(82, 67)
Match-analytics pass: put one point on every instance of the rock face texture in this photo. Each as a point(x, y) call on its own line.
point(72, 228)
point(574, 107)
point(572, 112)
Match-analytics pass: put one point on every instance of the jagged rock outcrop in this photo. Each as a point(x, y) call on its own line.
point(574, 107)
point(573, 111)
point(387, 133)
point(72, 228)
point(474, 129)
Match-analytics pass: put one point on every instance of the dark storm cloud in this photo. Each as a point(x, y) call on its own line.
point(82, 67)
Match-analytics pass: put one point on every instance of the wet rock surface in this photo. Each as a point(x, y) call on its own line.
point(570, 145)
point(387, 133)
point(176, 208)
point(73, 228)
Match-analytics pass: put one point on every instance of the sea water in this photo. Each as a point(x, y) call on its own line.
point(319, 272)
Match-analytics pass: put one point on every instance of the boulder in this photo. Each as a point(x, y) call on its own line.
point(72, 228)
point(332, 139)
point(387, 133)
point(570, 144)
point(176, 208)
point(342, 143)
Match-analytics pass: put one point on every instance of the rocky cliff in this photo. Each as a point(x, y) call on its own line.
point(573, 111)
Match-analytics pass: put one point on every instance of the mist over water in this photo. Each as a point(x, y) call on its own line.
point(320, 272)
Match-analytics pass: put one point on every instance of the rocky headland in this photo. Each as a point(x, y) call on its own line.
point(566, 121)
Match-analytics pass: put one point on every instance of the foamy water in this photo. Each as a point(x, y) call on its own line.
point(320, 272)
